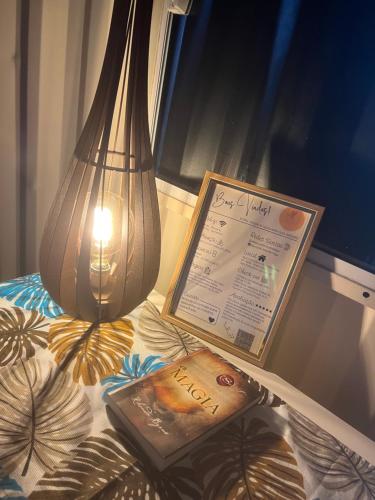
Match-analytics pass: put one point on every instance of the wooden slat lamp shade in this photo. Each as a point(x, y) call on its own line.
point(100, 249)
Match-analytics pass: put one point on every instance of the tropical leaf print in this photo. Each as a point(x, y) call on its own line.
point(174, 483)
point(102, 468)
point(267, 398)
point(247, 460)
point(145, 481)
point(132, 369)
point(163, 337)
point(19, 333)
point(336, 466)
point(10, 489)
point(41, 416)
point(97, 350)
point(28, 292)
point(97, 461)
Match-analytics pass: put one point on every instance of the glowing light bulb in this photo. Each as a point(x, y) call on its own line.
point(102, 231)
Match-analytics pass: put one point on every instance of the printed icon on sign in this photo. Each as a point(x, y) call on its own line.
point(207, 270)
point(264, 279)
point(262, 258)
point(228, 329)
point(212, 315)
point(286, 246)
point(222, 223)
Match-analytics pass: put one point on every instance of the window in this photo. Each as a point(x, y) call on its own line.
point(281, 94)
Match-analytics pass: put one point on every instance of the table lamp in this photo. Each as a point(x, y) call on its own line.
point(100, 249)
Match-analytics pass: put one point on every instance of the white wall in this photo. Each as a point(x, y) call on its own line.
point(9, 158)
point(67, 74)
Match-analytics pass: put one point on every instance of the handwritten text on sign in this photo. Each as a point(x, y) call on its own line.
point(240, 266)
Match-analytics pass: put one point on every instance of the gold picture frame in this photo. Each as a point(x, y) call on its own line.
point(242, 254)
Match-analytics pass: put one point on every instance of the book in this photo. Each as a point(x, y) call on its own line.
point(170, 411)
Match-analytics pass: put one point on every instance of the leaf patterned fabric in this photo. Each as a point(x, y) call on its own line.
point(20, 332)
point(132, 369)
point(58, 440)
point(28, 292)
point(266, 396)
point(95, 463)
point(9, 488)
point(247, 460)
point(96, 351)
point(104, 468)
point(163, 337)
point(144, 480)
point(338, 468)
point(42, 416)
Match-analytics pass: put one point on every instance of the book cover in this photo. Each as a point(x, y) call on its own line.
point(174, 407)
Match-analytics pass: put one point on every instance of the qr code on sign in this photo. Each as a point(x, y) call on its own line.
point(244, 339)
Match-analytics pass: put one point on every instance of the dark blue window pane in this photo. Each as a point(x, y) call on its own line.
point(282, 94)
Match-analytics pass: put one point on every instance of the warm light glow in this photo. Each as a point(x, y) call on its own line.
point(102, 231)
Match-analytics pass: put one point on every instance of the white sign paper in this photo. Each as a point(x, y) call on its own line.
point(243, 258)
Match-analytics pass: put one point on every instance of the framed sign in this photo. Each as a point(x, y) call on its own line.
point(243, 252)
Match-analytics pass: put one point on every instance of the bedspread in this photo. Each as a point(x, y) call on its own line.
point(57, 438)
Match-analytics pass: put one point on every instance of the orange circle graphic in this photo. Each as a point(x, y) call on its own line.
point(291, 219)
